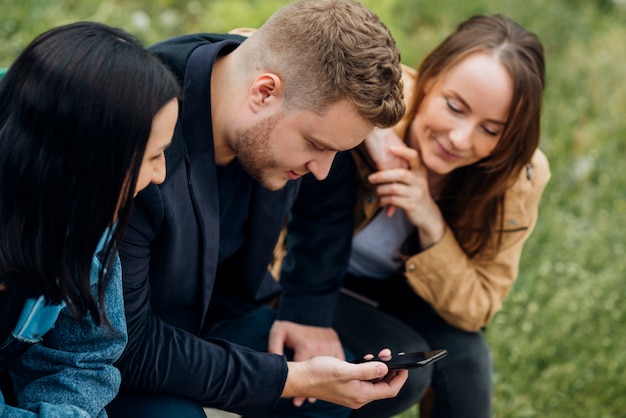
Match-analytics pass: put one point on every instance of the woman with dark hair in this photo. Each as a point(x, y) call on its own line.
point(85, 115)
point(441, 215)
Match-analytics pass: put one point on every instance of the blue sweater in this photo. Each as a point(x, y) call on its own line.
point(67, 371)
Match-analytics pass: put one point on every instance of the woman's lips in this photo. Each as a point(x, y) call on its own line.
point(443, 151)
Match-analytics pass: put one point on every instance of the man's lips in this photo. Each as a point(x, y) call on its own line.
point(293, 175)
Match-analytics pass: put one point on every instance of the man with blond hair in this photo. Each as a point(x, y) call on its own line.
point(257, 114)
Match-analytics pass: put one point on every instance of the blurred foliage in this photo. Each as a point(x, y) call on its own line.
point(558, 342)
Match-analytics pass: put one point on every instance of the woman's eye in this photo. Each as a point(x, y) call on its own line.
point(453, 106)
point(491, 132)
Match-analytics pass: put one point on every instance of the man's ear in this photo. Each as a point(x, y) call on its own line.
point(267, 89)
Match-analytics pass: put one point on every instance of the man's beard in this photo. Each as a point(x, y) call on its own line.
point(252, 148)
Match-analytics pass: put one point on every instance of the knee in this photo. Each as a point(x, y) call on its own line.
point(473, 357)
point(409, 395)
point(462, 347)
point(149, 405)
point(468, 366)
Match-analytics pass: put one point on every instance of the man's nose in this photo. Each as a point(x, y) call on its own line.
point(320, 166)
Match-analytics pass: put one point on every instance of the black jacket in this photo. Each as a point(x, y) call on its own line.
point(173, 287)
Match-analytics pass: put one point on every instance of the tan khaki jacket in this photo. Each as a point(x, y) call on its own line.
point(465, 292)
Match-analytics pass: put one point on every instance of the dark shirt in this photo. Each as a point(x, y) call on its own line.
point(235, 186)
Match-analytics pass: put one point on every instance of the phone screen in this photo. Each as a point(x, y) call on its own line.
point(409, 360)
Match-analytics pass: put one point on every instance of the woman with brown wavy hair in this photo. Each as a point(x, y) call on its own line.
point(462, 198)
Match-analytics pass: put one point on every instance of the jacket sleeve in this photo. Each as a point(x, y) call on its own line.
point(319, 238)
point(162, 357)
point(71, 373)
point(467, 292)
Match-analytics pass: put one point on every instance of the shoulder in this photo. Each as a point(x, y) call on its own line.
point(535, 174)
point(522, 198)
point(195, 40)
point(540, 167)
point(175, 52)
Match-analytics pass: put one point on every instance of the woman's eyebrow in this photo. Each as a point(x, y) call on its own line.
point(465, 104)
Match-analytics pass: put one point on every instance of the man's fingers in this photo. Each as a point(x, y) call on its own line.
point(276, 343)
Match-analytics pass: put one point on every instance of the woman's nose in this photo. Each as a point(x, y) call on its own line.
point(461, 136)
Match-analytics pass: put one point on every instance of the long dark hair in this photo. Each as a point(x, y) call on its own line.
point(76, 109)
point(473, 199)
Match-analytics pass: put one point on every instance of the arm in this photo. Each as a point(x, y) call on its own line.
point(343, 383)
point(378, 144)
point(467, 293)
point(164, 357)
point(159, 356)
point(71, 373)
point(409, 189)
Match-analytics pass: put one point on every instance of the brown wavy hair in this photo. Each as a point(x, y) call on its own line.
point(473, 199)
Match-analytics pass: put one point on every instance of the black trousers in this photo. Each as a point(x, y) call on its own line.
point(402, 321)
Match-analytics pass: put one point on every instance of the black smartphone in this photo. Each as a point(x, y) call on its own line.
point(409, 360)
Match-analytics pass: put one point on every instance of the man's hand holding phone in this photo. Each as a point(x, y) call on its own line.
point(348, 384)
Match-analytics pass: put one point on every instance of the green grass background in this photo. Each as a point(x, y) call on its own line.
point(558, 344)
